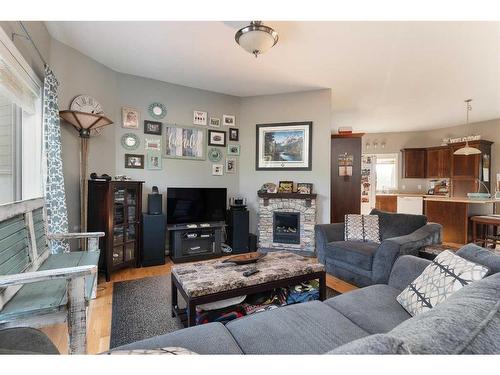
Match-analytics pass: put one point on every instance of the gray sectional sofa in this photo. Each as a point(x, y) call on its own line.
point(367, 263)
point(363, 321)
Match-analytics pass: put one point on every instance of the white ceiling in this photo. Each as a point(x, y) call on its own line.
point(384, 76)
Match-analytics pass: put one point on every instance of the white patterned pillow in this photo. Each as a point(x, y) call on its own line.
point(361, 228)
point(445, 275)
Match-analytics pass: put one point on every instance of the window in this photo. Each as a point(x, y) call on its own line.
point(387, 172)
point(20, 126)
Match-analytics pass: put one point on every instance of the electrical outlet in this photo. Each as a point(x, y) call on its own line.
point(403, 187)
point(419, 187)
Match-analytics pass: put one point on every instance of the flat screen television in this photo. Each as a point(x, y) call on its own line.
point(196, 205)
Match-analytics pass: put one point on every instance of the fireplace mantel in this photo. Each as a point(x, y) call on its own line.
point(266, 196)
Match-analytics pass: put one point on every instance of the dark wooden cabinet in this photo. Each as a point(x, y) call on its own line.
point(438, 162)
point(115, 208)
point(414, 162)
point(387, 203)
point(345, 195)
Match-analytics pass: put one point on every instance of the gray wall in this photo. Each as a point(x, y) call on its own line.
point(40, 36)
point(79, 74)
point(489, 130)
point(180, 102)
point(312, 106)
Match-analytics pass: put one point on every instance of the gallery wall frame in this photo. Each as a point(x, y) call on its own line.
point(284, 146)
point(184, 142)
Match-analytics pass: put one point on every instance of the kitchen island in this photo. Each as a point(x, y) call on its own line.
point(453, 214)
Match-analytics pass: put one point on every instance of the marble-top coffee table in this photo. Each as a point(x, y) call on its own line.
point(213, 280)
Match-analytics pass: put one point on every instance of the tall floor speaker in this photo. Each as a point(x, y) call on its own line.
point(237, 230)
point(153, 239)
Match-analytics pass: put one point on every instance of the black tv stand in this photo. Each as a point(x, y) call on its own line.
point(192, 242)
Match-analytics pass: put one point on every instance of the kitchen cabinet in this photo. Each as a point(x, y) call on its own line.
point(386, 203)
point(414, 162)
point(438, 162)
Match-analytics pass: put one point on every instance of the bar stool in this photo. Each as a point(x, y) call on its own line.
point(487, 238)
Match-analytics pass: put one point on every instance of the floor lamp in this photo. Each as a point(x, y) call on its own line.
point(86, 124)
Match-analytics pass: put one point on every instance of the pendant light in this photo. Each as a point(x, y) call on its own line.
point(256, 38)
point(467, 150)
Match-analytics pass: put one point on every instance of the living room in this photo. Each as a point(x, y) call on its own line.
point(288, 186)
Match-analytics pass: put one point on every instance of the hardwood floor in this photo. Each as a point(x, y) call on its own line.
point(99, 325)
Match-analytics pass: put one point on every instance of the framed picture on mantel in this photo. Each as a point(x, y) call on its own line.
point(284, 146)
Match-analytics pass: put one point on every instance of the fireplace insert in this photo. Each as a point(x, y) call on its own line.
point(286, 227)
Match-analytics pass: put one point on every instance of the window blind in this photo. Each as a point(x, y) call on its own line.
point(16, 81)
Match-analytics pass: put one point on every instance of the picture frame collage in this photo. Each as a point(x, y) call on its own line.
point(174, 141)
point(151, 159)
point(218, 138)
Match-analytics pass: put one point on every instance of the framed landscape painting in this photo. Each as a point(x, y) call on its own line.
point(285, 146)
point(184, 142)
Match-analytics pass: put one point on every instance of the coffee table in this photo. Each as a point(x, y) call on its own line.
point(213, 280)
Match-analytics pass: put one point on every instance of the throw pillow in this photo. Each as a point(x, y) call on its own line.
point(361, 228)
point(173, 350)
point(445, 275)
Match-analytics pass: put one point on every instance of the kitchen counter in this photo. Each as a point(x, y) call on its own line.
point(460, 200)
point(454, 213)
point(411, 195)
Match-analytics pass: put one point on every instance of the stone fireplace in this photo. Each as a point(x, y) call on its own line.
point(286, 222)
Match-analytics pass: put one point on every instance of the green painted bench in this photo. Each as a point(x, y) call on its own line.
point(38, 288)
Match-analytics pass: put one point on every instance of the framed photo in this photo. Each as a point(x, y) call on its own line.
point(346, 162)
point(153, 160)
point(184, 142)
point(216, 138)
point(229, 120)
point(234, 134)
point(130, 118)
point(134, 161)
point(214, 122)
point(233, 149)
point(304, 188)
point(286, 146)
point(217, 169)
point(285, 187)
point(231, 165)
point(130, 141)
point(152, 144)
point(199, 118)
point(152, 127)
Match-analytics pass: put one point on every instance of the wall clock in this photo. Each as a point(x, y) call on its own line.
point(87, 104)
point(157, 111)
point(214, 155)
point(130, 141)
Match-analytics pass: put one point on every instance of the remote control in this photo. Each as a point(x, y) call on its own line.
point(250, 272)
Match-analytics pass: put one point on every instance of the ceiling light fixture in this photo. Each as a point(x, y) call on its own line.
point(467, 150)
point(256, 38)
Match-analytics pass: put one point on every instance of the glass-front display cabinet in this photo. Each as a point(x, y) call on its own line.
point(115, 208)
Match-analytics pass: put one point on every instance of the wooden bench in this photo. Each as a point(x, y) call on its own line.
point(38, 288)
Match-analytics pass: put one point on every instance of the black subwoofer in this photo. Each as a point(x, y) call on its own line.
point(237, 230)
point(153, 239)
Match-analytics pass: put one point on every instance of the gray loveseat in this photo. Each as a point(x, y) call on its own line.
point(367, 320)
point(367, 263)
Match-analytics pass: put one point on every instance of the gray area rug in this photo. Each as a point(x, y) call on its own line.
point(141, 309)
